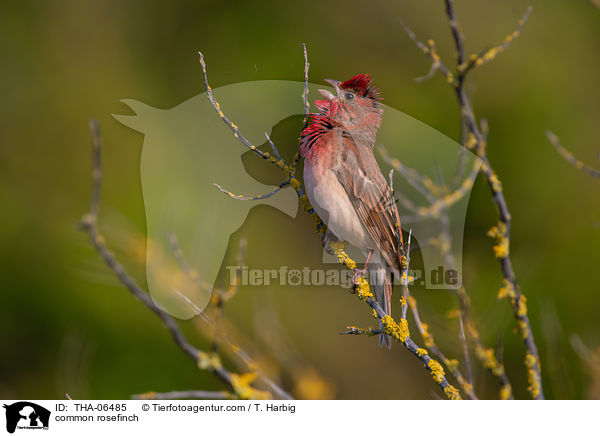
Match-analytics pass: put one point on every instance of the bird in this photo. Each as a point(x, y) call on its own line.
point(345, 185)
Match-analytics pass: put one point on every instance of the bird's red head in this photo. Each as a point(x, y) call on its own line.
point(362, 86)
point(355, 107)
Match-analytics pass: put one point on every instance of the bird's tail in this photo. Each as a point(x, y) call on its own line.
point(382, 284)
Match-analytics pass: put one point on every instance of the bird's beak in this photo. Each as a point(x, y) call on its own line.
point(327, 94)
point(334, 83)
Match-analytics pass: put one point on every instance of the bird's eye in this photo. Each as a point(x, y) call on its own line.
point(349, 96)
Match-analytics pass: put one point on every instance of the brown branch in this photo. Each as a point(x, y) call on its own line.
point(486, 355)
point(410, 301)
point(457, 34)
point(89, 224)
point(532, 360)
point(441, 198)
point(476, 140)
point(217, 326)
point(428, 339)
point(178, 395)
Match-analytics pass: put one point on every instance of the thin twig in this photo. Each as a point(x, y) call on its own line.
point(274, 191)
point(518, 302)
point(568, 156)
point(466, 353)
point(490, 54)
point(457, 34)
point(187, 268)
point(177, 395)
point(275, 151)
point(423, 184)
point(451, 364)
point(225, 295)
point(305, 102)
point(429, 189)
point(429, 341)
point(476, 139)
point(89, 224)
point(437, 64)
point(234, 128)
point(437, 208)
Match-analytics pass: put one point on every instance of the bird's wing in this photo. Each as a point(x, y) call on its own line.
point(370, 195)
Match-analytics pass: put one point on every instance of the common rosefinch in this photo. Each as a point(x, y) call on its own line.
point(345, 185)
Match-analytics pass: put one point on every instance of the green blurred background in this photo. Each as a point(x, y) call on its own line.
point(68, 326)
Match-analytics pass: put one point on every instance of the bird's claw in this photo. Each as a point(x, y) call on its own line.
point(358, 274)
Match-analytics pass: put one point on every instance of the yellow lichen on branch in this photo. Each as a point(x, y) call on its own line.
point(505, 392)
point(451, 364)
point(363, 290)
point(488, 359)
point(521, 304)
point(209, 361)
point(427, 337)
point(361, 330)
point(398, 331)
point(499, 233)
point(436, 369)
point(452, 393)
point(241, 384)
point(508, 290)
point(532, 375)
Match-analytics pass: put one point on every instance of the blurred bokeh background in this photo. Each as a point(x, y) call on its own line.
point(68, 326)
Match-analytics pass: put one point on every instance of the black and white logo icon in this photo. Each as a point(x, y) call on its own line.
point(26, 415)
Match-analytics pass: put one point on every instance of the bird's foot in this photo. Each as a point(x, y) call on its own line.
point(357, 274)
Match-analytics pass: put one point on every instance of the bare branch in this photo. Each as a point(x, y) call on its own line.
point(234, 128)
point(177, 395)
point(476, 140)
point(89, 224)
point(256, 197)
point(186, 267)
point(490, 54)
point(429, 50)
point(568, 156)
point(466, 354)
point(222, 296)
point(459, 39)
point(423, 184)
point(501, 250)
point(275, 151)
point(305, 102)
